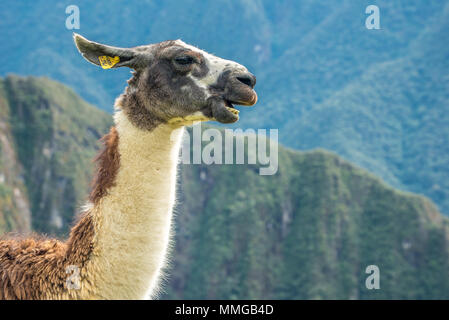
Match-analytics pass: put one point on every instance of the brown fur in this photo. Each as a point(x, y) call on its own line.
point(108, 161)
point(35, 268)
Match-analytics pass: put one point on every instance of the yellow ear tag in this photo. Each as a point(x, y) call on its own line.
point(107, 62)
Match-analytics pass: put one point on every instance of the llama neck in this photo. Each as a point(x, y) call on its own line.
point(133, 219)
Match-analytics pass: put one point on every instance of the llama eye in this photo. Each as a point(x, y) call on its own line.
point(184, 60)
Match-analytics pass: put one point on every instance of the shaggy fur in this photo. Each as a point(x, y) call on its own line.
point(108, 161)
point(35, 268)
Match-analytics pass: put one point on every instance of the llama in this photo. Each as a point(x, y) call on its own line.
point(119, 245)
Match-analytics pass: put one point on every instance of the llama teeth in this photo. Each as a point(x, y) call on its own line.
point(234, 111)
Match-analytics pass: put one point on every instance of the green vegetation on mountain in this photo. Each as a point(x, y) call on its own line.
point(393, 119)
point(14, 206)
point(307, 232)
point(55, 136)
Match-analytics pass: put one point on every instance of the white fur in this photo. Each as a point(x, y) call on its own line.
point(133, 220)
point(215, 65)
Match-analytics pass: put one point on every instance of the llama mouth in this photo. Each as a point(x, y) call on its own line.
point(230, 107)
point(222, 110)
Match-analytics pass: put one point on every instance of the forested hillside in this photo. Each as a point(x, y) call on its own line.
point(14, 206)
point(307, 232)
point(393, 119)
point(52, 134)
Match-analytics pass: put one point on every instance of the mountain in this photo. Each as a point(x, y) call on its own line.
point(378, 98)
point(50, 142)
point(15, 211)
point(410, 131)
point(307, 232)
point(392, 119)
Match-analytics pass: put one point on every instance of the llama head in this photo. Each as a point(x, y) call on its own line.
point(174, 82)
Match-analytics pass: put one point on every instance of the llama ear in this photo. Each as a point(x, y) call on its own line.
point(106, 56)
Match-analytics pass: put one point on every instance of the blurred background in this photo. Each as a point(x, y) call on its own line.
point(362, 116)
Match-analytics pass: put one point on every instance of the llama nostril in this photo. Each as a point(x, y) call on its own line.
point(247, 79)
